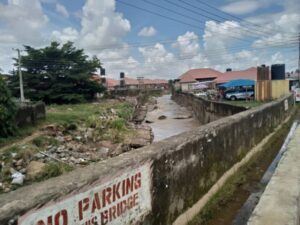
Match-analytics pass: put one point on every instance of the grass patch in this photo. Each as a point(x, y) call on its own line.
point(118, 124)
point(21, 133)
point(124, 111)
point(54, 169)
point(247, 104)
point(70, 116)
point(43, 141)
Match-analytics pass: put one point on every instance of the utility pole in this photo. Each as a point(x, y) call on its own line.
point(299, 62)
point(20, 77)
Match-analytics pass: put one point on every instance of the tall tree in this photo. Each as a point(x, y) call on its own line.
point(57, 74)
point(7, 111)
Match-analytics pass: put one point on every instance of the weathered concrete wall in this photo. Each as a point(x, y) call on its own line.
point(161, 180)
point(205, 111)
point(135, 92)
point(280, 202)
point(29, 114)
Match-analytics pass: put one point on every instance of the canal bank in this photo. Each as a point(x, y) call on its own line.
point(227, 206)
point(168, 119)
point(280, 202)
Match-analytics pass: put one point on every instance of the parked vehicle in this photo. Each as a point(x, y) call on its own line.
point(240, 94)
point(297, 94)
point(201, 94)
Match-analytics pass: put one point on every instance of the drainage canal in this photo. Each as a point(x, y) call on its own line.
point(236, 200)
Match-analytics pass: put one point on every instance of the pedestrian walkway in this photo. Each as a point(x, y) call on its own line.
point(280, 202)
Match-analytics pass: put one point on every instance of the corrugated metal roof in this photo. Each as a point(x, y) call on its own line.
point(202, 73)
point(250, 74)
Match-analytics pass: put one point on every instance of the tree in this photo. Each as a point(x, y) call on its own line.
point(57, 74)
point(7, 111)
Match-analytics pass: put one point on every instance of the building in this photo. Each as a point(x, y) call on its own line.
point(249, 74)
point(131, 83)
point(111, 84)
point(294, 79)
point(186, 80)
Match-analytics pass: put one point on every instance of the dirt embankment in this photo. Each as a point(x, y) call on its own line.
point(78, 136)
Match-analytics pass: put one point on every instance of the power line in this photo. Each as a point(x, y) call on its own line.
point(187, 16)
point(233, 16)
point(110, 61)
point(198, 13)
point(170, 18)
point(215, 52)
point(212, 54)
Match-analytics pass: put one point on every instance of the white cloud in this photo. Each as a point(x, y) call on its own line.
point(242, 7)
point(277, 58)
point(147, 32)
point(283, 30)
point(156, 54)
point(103, 29)
point(101, 25)
point(218, 38)
point(7, 38)
point(23, 14)
point(61, 9)
point(22, 22)
point(188, 44)
point(67, 34)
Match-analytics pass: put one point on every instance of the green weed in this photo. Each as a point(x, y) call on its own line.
point(54, 169)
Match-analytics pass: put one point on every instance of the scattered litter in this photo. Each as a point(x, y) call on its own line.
point(18, 178)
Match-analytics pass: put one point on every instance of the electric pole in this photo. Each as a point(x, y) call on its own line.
point(299, 62)
point(20, 77)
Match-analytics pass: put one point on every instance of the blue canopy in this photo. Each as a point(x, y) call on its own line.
point(237, 83)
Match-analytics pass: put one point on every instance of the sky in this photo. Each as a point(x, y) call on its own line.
point(157, 38)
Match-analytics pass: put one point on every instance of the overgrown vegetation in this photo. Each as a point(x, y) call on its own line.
point(247, 104)
point(8, 111)
point(73, 115)
point(57, 74)
point(53, 169)
point(110, 123)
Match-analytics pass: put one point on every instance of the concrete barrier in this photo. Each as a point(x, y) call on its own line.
point(30, 113)
point(151, 185)
point(205, 111)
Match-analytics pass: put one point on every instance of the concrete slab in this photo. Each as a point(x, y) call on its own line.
point(280, 203)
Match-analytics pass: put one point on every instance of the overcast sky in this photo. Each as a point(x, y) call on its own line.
point(157, 38)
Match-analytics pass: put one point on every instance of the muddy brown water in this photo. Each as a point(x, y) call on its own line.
point(170, 126)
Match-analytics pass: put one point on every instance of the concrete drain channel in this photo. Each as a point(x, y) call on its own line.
point(246, 210)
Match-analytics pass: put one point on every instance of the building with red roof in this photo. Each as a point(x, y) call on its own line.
point(249, 74)
point(192, 76)
point(111, 83)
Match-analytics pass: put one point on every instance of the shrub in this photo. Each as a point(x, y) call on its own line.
point(125, 111)
point(8, 111)
point(118, 124)
point(54, 169)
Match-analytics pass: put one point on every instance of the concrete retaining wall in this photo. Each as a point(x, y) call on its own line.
point(280, 202)
point(29, 114)
point(205, 111)
point(135, 92)
point(151, 185)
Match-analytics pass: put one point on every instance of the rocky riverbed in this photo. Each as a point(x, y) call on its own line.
point(110, 131)
point(167, 118)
